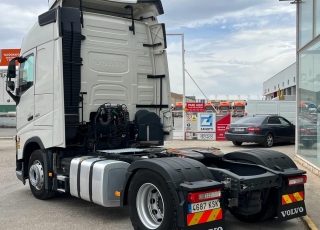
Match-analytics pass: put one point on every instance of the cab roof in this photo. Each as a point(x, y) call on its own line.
point(116, 6)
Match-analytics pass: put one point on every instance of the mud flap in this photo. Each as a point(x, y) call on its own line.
point(291, 202)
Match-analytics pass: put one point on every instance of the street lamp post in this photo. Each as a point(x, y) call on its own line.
point(183, 82)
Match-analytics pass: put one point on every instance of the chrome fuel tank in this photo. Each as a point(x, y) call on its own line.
point(97, 179)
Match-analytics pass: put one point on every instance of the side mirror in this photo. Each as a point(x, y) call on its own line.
point(12, 69)
point(11, 74)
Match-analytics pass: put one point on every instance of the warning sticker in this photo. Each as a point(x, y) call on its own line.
point(194, 118)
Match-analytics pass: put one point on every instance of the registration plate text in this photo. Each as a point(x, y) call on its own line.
point(203, 206)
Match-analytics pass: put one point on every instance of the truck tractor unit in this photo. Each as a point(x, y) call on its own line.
point(224, 107)
point(178, 109)
point(238, 109)
point(92, 95)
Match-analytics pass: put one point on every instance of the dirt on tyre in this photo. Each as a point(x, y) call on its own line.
point(237, 143)
point(37, 177)
point(151, 202)
point(267, 212)
point(269, 141)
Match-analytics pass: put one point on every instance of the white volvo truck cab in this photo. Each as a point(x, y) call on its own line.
point(93, 94)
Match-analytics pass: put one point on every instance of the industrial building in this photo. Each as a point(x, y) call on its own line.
point(285, 80)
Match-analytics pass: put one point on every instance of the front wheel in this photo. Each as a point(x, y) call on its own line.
point(151, 203)
point(269, 141)
point(37, 177)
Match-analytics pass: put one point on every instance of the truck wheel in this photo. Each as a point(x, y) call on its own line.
point(237, 143)
point(269, 141)
point(37, 177)
point(268, 210)
point(151, 203)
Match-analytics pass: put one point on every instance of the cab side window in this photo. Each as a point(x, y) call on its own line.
point(26, 74)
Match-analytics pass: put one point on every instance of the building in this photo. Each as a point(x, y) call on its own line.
point(179, 98)
point(308, 82)
point(285, 80)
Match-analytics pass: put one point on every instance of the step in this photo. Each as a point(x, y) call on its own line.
point(62, 177)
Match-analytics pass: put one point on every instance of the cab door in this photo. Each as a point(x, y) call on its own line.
point(25, 108)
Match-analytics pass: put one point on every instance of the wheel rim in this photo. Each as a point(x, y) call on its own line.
point(36, 175)
point(150, 206)
point(270, 140)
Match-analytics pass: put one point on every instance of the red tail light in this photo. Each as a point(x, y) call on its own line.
point(303, 130)
point(196, 197)
point(253, 129)
point(293, 181)
point(228, 128)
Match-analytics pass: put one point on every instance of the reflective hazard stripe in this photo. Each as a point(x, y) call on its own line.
point(292, 198)
point(204, 217)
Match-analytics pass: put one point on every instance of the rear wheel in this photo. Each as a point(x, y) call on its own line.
point(37, 177)
point(237, 143)
point(151, 203)
point(308, 144)
point(268, 210)
point(269, 141)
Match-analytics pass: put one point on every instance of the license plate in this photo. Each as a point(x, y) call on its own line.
point(238, 130)
point(204, 206)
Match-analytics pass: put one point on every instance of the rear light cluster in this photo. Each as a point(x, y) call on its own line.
point(253, 129)
point(307, 130)
point(293, 181)
point(196, 197)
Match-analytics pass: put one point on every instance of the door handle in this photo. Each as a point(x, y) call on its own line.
point(30, 118)
point(37, 115)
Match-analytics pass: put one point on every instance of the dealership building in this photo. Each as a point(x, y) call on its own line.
point(308, 78)
point(301, 81)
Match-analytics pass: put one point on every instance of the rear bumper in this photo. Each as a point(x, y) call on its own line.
point(244, 137)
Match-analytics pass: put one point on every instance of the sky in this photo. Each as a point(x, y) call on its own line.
point(231, 47)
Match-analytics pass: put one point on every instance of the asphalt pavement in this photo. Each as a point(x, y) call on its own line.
point(20, 210)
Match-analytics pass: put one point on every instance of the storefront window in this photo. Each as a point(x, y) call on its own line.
point(309, 105)
point(317, 17)
point(305, 22)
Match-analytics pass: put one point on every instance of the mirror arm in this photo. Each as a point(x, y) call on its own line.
point(14, 97)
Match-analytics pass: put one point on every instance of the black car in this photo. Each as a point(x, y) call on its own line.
point(262, 129)
point(308, 132)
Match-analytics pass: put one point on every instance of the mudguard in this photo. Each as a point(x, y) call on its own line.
point(269, 158)
point(183, 175)
point(290, 198)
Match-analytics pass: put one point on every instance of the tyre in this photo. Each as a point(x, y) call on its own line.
point(237, 143)
point(268, 210)
point(269, 141)
point(37, 177)
point(308, 144)
point(151, 202)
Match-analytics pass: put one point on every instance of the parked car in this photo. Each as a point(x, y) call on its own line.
point(262, 129)
point(308, 132)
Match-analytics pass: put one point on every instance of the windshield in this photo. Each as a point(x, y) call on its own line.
point(251, 120)
point(178, 108)
point(239, 107)
point(209, 108)
point(224, 107)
